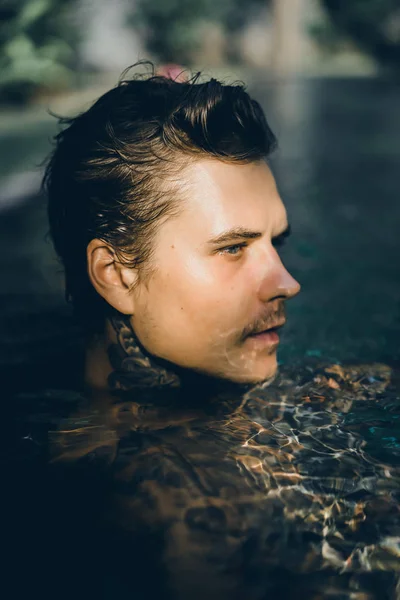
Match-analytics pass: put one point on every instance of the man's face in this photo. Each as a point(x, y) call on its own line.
point(205, 298)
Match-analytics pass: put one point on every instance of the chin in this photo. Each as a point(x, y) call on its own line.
point(264, 375)
point(261, 373)
point(257, 377)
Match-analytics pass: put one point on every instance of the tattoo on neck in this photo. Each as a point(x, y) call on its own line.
point(132, 366)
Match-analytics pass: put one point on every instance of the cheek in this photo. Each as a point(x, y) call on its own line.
point(198, 287)
point(215, 297)
point(199, 290)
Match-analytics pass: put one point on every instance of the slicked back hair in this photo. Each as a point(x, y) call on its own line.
point(116, 172)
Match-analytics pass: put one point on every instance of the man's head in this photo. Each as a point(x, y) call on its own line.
point(140, 187)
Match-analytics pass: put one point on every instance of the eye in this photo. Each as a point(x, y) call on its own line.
point(235, 247)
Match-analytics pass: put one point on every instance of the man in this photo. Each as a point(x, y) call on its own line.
point(168, 220)
point(181, 477)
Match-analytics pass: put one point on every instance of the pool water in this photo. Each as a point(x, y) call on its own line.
point(291, 492)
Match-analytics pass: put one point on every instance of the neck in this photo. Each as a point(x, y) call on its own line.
point(116, 362)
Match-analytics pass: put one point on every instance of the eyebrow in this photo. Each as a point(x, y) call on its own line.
point(240, 233)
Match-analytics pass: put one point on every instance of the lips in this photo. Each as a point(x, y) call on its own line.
point(270, 329)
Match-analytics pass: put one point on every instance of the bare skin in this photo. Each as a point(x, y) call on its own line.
point(204, 300)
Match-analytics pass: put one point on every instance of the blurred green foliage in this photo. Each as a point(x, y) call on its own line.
point(172, 29)
point(39, 38)
point(36, 48)
point(374, 25)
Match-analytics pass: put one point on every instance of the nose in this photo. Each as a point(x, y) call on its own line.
point(288, 285)
point(279, 283)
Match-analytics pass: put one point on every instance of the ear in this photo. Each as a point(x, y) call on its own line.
point(109, 278)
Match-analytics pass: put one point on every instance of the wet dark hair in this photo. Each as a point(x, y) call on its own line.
point(115, 173)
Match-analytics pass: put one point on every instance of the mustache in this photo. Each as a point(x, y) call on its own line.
point(265, 321)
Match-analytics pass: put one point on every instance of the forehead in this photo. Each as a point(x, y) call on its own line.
point(220, 195)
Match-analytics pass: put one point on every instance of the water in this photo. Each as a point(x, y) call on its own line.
point(290, 490)
point(291, 494)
